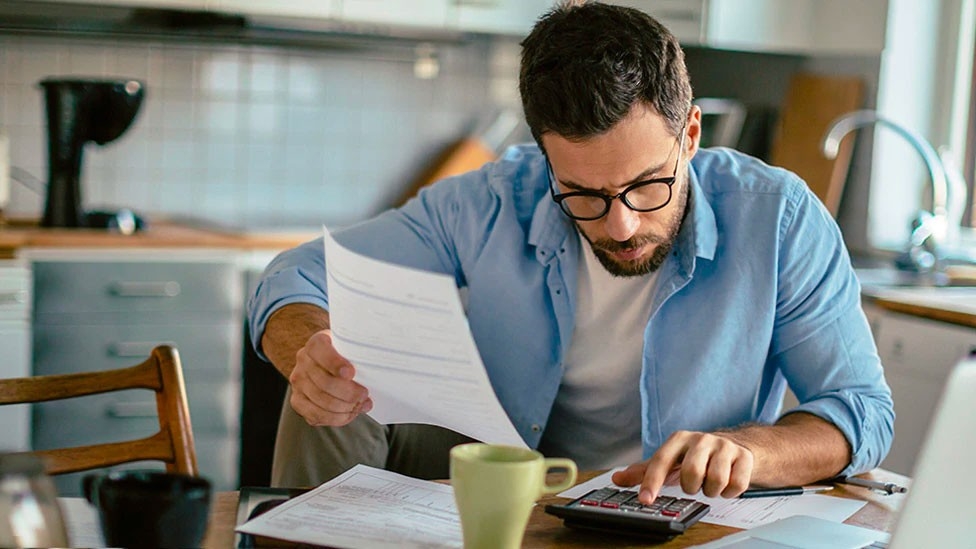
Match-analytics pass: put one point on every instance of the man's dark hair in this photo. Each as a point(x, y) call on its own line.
point(586, 64)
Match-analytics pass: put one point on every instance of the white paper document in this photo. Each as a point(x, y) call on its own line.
point(745, 512)
point(366, 508)
point(81, 521)
point(406, 333)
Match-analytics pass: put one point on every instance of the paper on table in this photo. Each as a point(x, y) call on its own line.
point(366, 508)
point(81, 521)
point(745, 512)
point(406, 333)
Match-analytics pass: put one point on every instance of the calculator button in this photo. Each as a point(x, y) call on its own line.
point(595, 497)
point(614, 501)
point(632, 504)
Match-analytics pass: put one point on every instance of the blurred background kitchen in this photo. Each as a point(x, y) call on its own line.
point(328, 111)
point(263, 117)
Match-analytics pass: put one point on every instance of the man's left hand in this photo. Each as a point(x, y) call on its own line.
point(715, 464)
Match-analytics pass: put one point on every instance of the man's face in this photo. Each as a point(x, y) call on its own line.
point(638, 148)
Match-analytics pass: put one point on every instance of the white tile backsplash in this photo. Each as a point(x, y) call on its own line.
point(255, 135)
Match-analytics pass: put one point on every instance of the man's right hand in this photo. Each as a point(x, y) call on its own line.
point(298, 342)
point(322, 387)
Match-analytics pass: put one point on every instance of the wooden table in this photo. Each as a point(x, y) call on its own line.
point(547, 531)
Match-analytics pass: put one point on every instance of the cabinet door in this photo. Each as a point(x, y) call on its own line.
point(684, 18)
point(165, 4)
point(797, 26)
point(434, 14)
point(314, 9)
point(917, 355)
point(14, 362)
point(128, 289)
point(512, 17)
point(15, 291)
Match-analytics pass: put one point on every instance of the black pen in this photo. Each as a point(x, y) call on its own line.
point(784, 491)
point(886, 487)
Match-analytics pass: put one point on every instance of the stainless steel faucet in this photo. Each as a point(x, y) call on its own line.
point(930, 228)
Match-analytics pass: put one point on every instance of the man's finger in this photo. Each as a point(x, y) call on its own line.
point(319, 385)
point(718, 472)
point(317, 416)
point(667, 457)
point(631, 476)
point(740, 476)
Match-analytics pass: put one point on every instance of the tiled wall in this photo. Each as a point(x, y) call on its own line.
point(251, 135)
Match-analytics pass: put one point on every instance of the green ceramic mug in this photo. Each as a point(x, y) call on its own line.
point(495, 488)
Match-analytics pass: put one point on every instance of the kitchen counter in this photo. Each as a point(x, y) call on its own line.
point(955, 305)
point(16, 235)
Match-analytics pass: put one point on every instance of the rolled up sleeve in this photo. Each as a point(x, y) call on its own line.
point(823, 342)
point(294, 276)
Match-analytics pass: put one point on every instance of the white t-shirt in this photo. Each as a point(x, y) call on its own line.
point(596, 419)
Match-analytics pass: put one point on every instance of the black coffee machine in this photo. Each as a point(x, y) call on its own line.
point(79, 111)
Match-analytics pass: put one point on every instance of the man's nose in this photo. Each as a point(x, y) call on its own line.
point(621, 222)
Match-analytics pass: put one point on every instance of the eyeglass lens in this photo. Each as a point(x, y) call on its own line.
point(646, 197)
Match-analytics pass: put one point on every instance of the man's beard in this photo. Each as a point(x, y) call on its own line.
point(603, 249)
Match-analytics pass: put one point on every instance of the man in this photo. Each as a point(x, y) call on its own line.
point(634, 299)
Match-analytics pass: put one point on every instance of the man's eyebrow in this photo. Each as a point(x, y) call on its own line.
point(643, 176)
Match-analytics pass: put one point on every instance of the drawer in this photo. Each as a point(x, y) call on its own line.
point(207, 351)
point(14, 362)
point(926, 349)
point(123, 415)
point(118, 287)
point(15, 291)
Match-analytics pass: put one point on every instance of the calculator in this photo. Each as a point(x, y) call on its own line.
point(619, 511)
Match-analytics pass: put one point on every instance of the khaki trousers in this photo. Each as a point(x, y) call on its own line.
point(306, 456)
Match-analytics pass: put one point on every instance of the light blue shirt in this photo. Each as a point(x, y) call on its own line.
point(757, 293)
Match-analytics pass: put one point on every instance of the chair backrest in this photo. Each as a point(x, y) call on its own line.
point(161, 372)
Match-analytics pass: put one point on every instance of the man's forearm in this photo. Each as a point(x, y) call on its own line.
point(288, 330)
point(799, 449)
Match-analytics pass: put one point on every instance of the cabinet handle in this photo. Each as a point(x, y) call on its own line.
point(131, 409)
point(13, 298)
point(145, 289)
point(678, 15)
point(138, 349)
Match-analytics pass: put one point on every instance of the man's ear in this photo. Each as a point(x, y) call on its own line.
point(693, 131)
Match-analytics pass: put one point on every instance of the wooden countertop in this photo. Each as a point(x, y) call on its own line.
point(546, 531)
point(952, 305)
point(161, 234)
point(955, 305)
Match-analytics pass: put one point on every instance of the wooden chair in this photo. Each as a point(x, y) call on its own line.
point(161, 372)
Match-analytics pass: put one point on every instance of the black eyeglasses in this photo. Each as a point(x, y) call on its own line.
point(643, 196)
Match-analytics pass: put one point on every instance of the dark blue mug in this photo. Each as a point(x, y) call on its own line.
point(139, 508)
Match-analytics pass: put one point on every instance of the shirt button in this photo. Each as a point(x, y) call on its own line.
point(536, 428)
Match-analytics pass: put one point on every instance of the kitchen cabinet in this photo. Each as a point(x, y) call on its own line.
point(314, 9)
point(15, 355)
point(684, 18)
point(372, 16)
point(803, 27)
point(798, 26)
point(104, 310)
point(432, 14)
point(806, 27)
point(163, 4)
point(917, 355)
point(505, 17)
